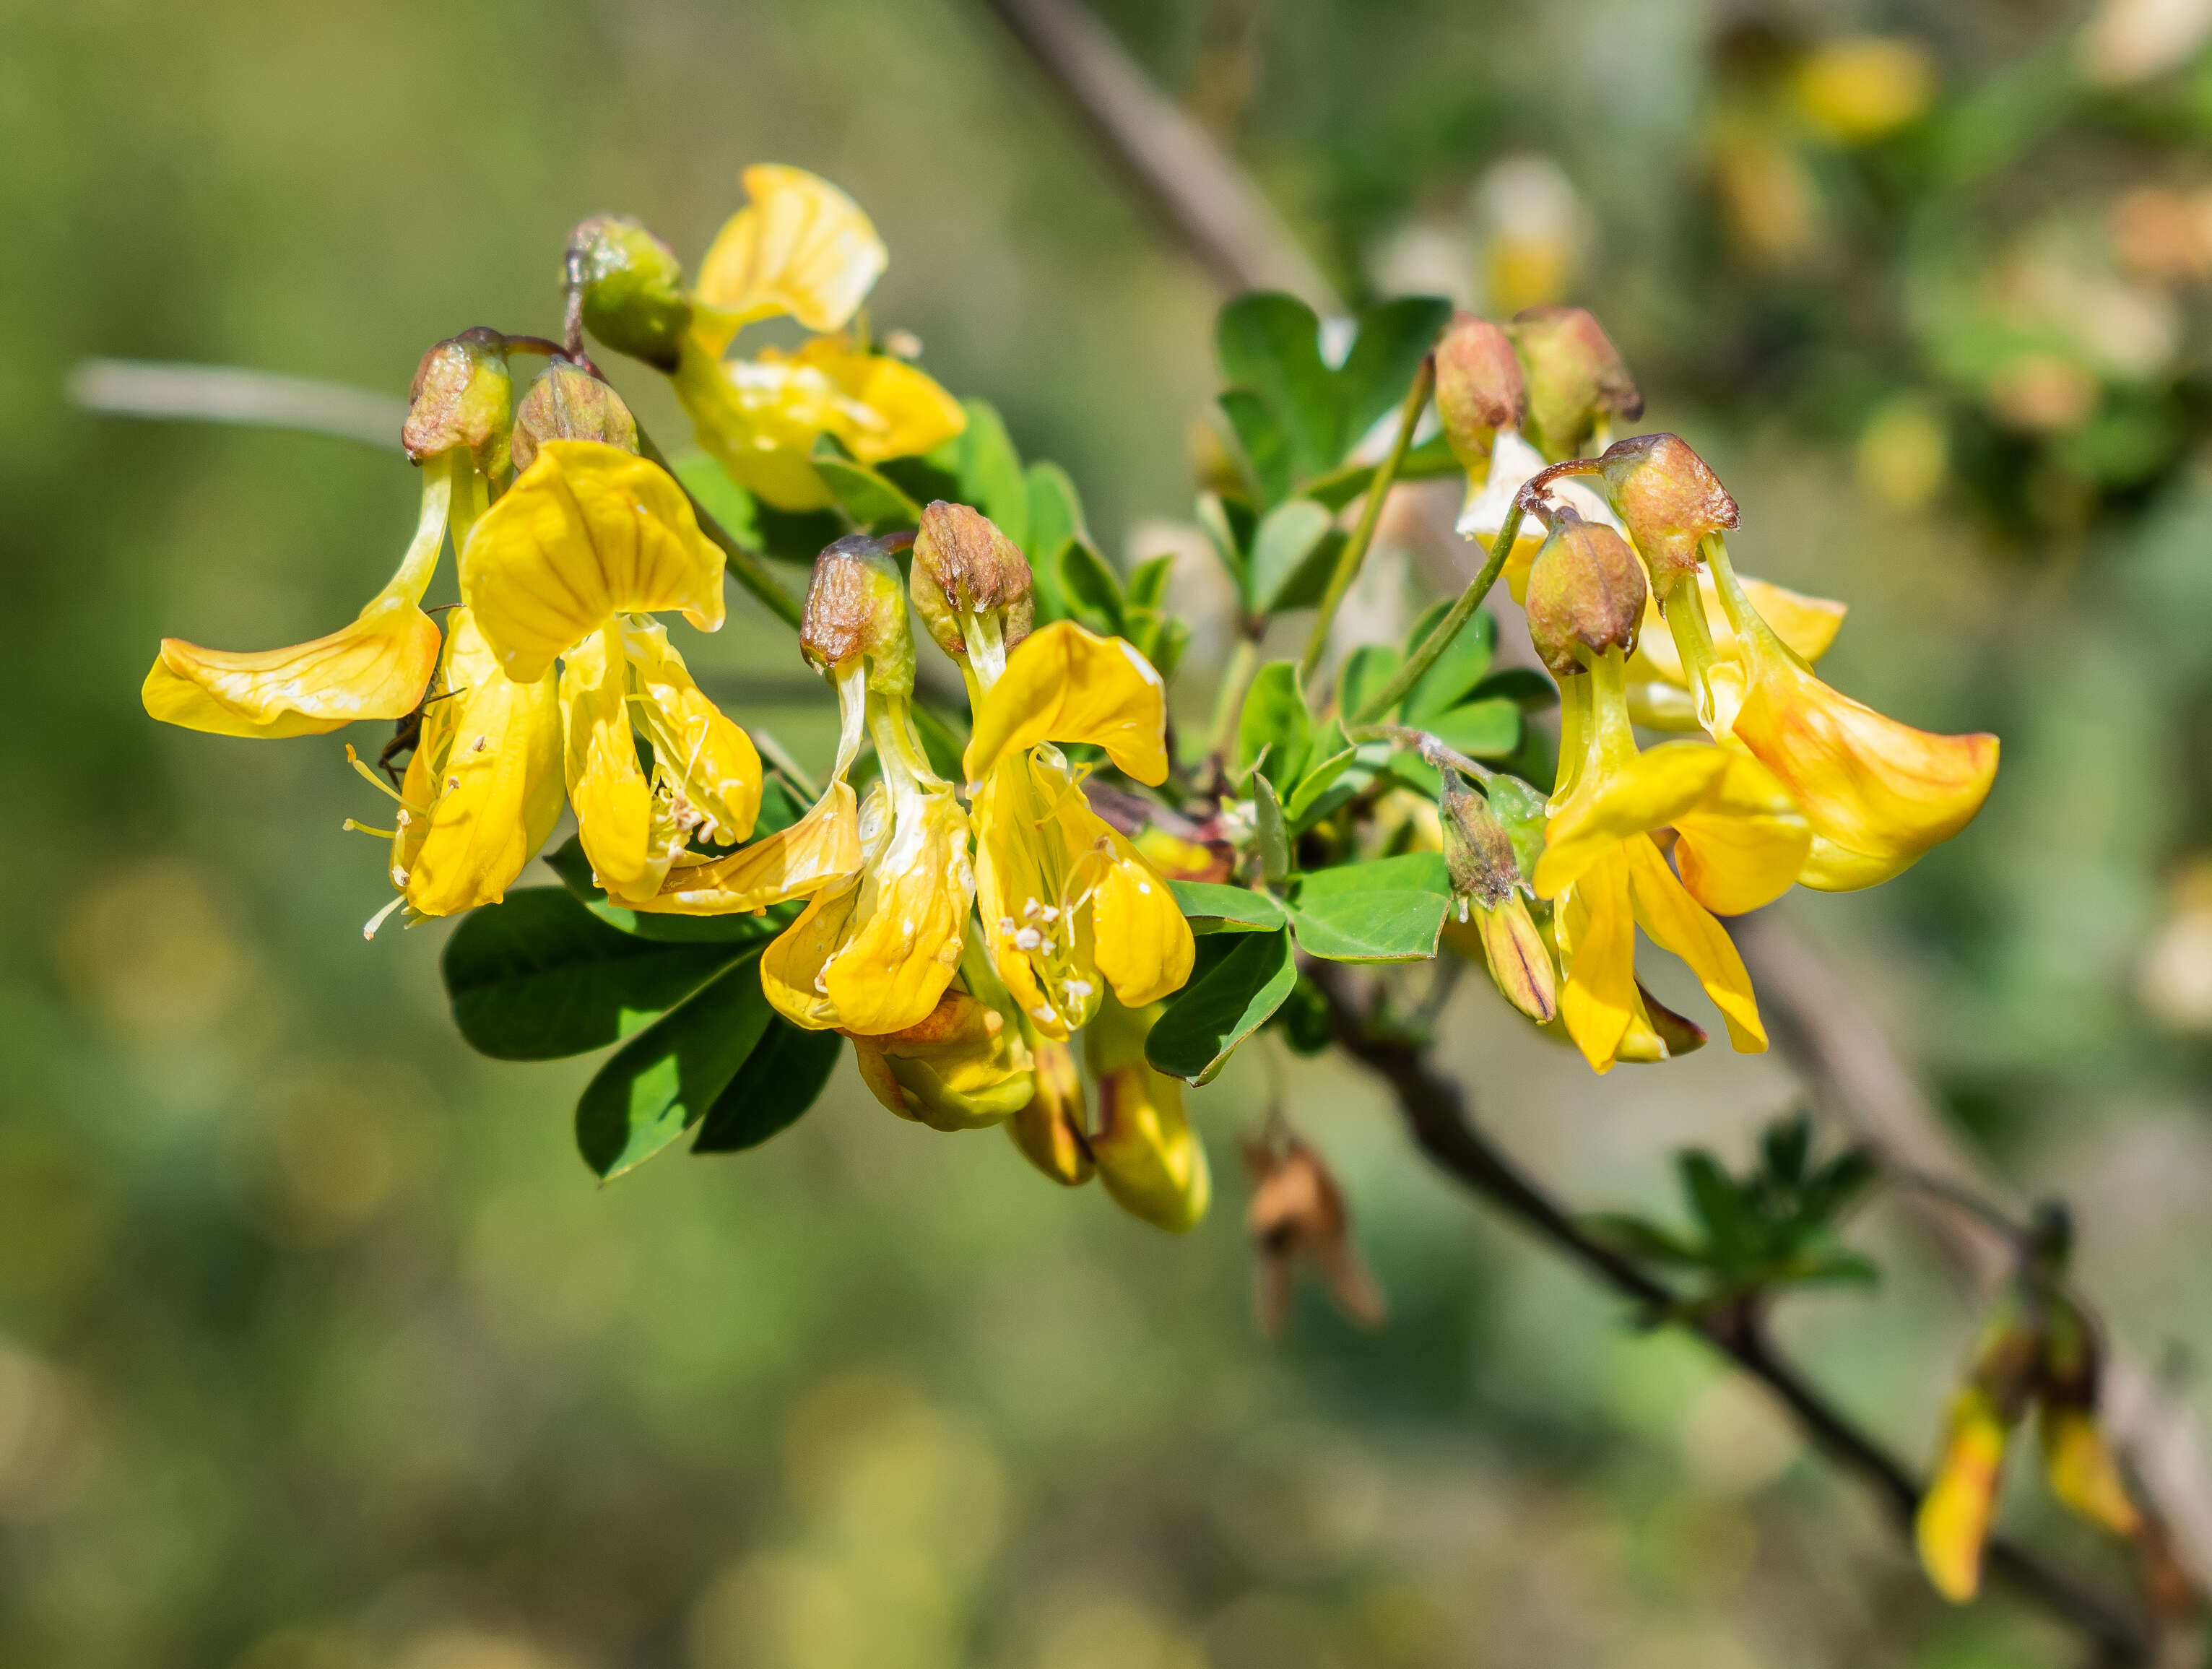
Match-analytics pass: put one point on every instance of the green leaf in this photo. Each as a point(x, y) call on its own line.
point(870, 498)
point(1454, 673)
point(537, 976)
point(1273, 838)
point(1391, 910)
point(1521, 808)
point(1169, 637)
point(1212, 908)
point(1275, 718)
point(1094, 595)
point(1731, 1231)
point(983, 459)
point(1304, 1019)
point(1524, 686)
point(1432, 458)
point(1365, 671)
point(1230, 527)
point(1230, 997)
point(1784, 1148)
point(1261, 448)
point(568, 862)
point(797, 535)
point(1270, 342)
point(1055, 517)
point(1316, 782)
point(1639, 1238)
point(1379, 370)
point(663, 1080)
point(1287, 536)
point(1481, 730)
point(782, 1078)
point(1148, 584)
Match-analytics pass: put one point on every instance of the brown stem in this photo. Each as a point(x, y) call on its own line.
point(1434, 1108)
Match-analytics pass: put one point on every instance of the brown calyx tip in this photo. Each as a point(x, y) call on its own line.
point(962, 564)
point(462, 396)
point(1586, 592)
point(1479, 387)
point(1670, 500)
point(568, 403)
point(854, 604)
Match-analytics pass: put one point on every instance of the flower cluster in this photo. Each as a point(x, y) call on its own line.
point(1621, 563)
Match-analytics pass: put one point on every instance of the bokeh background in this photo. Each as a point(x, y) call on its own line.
point(320, 1349)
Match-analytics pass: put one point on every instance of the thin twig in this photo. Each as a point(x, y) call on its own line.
point(1434, 1108)
point(233, 394)
point(1204, 196)
point(1371, 515)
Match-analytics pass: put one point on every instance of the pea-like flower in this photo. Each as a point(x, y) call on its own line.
point(1148, 1156)
point(1069, 905)
point(379, 665)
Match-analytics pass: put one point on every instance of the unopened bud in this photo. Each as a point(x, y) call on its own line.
point(962, 564)
point(1575, 376)
point(1050, 1130)
point(569, 404)
point(632, 288)
point(1586, 592)
point(856, 606)
point(1480, 388)
point(1478, 850)
point(959, 1068)
point(463, 395)
point(1669, 500)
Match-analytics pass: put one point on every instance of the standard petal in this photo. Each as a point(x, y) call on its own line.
point(1866, 783)
point(1066, 684)
point(1745, 843)
point(1679, 923)
point(1597, 942)
point(885, 408)
point(586, 532)
point(1650, 790)
point(494, 767)
point(821, 847)
point(709, 761)
point(801, 246)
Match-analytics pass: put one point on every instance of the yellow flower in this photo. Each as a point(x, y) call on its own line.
point(1051, 1128)
point(964, 1064)
point(1953, 1524)
point(1147, 1155)
point(378, 666)
point(483, 788)
point(801, 246)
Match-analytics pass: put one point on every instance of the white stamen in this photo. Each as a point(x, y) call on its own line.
point(1079, 989)
point(482, 742)
point(453, 783)
point(368, 930)
point(1027, 940)
point(1044, 1012)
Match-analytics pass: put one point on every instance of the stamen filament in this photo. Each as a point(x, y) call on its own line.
point(382, 787)
point(350, 827)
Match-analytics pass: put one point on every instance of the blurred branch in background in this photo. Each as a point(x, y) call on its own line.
point(232, 394)
point(1218, 210)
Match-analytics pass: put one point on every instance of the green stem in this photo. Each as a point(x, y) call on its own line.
point(1243, 661)
point(746, 567)
point(1446, 629)
point(1355, 549)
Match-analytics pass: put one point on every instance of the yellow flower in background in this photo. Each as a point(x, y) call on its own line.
point(482, 790)
point(1148, 1156)
point(1864, 87)
point(1953, 1524)
point(801, 246)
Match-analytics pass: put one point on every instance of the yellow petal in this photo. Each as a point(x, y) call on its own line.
point(1954, 1519)
point(1520, 560)
point(606, 783)
point(1649, 791)
point(1065, 684)
point(1866, 783)
point(1519, 961)
point(376, 668)
point(793, 965)
point(885, 408)
point(493, 763)
point(1145, 943)
point(1745, 843)
point(903, 940)
point(1597, 943)
point(1808, 624)
point(2082, 1472)
point(1033, 853)
point(1148, 1156)
point(1679, 923)
point(1050, 1129)
point(586, 532)
point(821, 847)
point(960, 1067)
point(801, 246)
point(709, 761)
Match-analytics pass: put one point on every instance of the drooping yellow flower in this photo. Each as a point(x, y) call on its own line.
point(963, 1066)
point(801, 246)
point(1953, 1524)
point(1148, 1156)
point(378, 666)
point(1052, 1128)
point(1069, 905)
point(482, 790)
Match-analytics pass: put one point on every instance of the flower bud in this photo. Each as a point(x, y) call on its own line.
point(1669, 500)
point(1049, 1130)
point(1480, 388)
point(1586, 592)
point(960, 1067)
point(569, 404)
point(1574, 375)
point(963, 565)
point(1478, 850)
point(463, 395)
point(856, 606)
point(632, 288)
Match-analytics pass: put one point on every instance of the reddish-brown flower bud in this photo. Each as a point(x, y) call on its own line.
point(1479, 388)
point(963, 565)
point(463, 395)
point(569, 404)
point(855, 606)
point(1670, 500)
point(1575, 376)
point(1586, 592)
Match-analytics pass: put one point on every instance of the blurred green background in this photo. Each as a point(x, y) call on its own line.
point(320, 1349)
